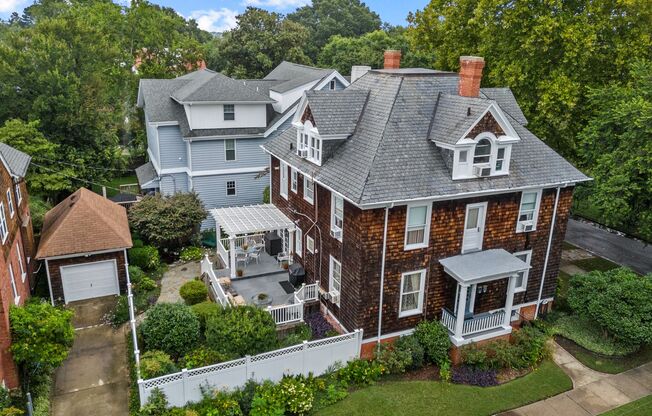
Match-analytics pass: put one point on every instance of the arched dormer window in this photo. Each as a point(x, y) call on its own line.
point(482, 152)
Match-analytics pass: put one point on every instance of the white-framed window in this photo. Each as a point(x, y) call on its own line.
point(19, 252)
point(229, 149)
point(4, 231)
point(229, 112)
point(500, 159)
point(528, 211)
point(337, 216)
point(516, 314)
point(314, 149)
point(521, 279)
point(332, 85)
point(412, 286)
point(19, 195)
point(230, 188)
point(482, 153)
point(310, 244)
point(335, 280)
point(294, 180)
point(417, 226)
point(298, 242)
point(284, 180)
point(308, 190)
point(10, 203)
point(13, 285)
point(463, 156)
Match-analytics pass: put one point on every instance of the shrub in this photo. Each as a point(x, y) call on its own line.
point(170, 327)
point(298, 334)
point(146, 257)
point(474, 376)
point(193, 292)
point(586, 334)
point(156, 404)
point(318, 325)
point(506, 355)
point(433, 336)
point(292, 395)
point(618, 301)
point(533, 344)
point(204, 310)
point(245, 396)
point(5, 400)
point(191, 254)
point(41, 336)
point(268, 401)
point(168, 221)
point(155, 364)
point(145, 285)
point(411, 343)
point(136, 274)
point(241, 331)
point(11, 411)
point(392, 359)
point(223, 404)
point(120, 313)
point(474, 356)
point(360, 372)
point(203, 356)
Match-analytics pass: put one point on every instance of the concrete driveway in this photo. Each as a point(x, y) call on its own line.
point(94, 379)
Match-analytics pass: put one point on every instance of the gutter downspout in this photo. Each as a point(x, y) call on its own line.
point(545, 264)
point(382, 277)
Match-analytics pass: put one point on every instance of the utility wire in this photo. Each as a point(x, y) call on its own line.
point(76, 178)
point(85, 167)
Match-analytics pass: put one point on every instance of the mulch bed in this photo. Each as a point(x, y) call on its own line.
point(507, 375)
point(427, 373)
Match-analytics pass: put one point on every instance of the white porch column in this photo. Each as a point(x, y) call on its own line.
point(509, 302)
point(461, 309)
point(291, 248)
point(232, 256)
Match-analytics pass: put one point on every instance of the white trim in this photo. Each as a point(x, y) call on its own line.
point(499, 117)
point(86, 254)
point(14, 286)
point(233, 171)
point(157, 124)
point(19, 194)
point(526, 273)
point(390, 335)
point(535, 213)
point(468, 339)
point(545, 262)
point(235, 188)
point(305, 197)
point(10, 203)
point(4, 225)
point(235, 151)
point(152, 159)
point(19, 250)
point(310, 242)
point(47, 271)
point(328, 78)
point(283, 180)
point(68, 266)
point(421, 295)
point(223, 137)
point(334, 227)
point(282, 120)
point(294, 180)
point(298, 243)
point(331, 263)
point(484, 205)
point(426, 231)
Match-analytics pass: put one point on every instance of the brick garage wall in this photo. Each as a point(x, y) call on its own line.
point(55, 271)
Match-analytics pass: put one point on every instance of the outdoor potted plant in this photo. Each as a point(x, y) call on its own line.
point(239, 272)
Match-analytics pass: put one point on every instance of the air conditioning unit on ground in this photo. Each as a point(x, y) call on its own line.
point(302, 152)
point(482, 171)
point(336, 234)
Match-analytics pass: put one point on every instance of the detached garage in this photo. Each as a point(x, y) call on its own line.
point(84, 242)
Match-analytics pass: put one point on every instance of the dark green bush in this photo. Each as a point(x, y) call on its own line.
point(360, 373)
point(146, 284)
point(145, 257)
point(170, 327)
point(204, 310)
point(136, 274)
point(191, 254)
point(433, 336)
point(392, 359)
point(120, 313)
point(137, 243)
point(411, 343)
point(193, 292)
point(298, 334)
point(202, 357)
point(533, 344)
point(476, 357)
point(156, 363)
point(245, 330)
point(156, 404)
point(292, 395)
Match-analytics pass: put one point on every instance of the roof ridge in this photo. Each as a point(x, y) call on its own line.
point(101, 213)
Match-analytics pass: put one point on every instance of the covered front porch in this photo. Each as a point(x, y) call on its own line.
point(241, 243)
point(473, 274)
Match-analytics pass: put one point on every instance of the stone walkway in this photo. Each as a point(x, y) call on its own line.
point(175, 277)
point(593, 392)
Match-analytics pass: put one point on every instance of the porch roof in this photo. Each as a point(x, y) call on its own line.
point(251, 219)
point(482, 266)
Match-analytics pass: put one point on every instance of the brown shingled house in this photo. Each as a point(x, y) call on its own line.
point(84, 244)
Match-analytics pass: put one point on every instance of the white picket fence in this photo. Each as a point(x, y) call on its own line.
point(314, 357)
point(216, 287)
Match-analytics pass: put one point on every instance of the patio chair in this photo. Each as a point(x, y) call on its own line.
point(255, 255)
point(281, 257)
point(241, 257)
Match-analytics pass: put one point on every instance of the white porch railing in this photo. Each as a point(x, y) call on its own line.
point(306, 293)
point(314, 357)
point(240, 240)
point(285, 314)
point(476, 324)
point(216, 287)
point(223, 252)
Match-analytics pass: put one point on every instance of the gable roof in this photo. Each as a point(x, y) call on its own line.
point(294, 75)
point(17, 162)
point(389, 157)
point(210, 86)
point(507, 102)
point(455, 115)
point(84, 222)
point(336, 112)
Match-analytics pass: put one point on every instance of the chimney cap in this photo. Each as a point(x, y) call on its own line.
point(472, 58)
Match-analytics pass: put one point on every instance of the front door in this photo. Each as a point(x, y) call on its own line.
point(474, 227)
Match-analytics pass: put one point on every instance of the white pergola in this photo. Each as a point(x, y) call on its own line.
point(250, 219)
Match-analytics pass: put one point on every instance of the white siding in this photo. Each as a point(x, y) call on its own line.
point(211, 116)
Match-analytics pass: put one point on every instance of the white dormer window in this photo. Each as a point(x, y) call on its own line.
point(314, 150)
point(332, 85)
point(482, 152)
point(481, 157)
point(500, 159)
point(309, 145)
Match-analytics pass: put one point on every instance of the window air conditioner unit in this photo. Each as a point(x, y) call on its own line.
point(302, 152)
point(336, 234)
point(334, 296)
point(527, 225)
point(482, 171)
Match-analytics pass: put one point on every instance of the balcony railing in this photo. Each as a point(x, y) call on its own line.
point(480, 323)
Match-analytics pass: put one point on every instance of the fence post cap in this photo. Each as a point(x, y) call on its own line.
point(141, 381)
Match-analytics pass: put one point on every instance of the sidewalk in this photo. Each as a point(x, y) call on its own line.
point(593, 392)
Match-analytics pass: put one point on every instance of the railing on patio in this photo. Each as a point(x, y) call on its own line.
point(240, 240)
point(216, 287)
point(223, 252)
point(306, 293)
point(478, 323)
point(285, 314)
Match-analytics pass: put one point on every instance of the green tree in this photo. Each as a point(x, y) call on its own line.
point(616, 149)
point(326, 18)
point(259, 42)
point(549, 52)
point(342, 53)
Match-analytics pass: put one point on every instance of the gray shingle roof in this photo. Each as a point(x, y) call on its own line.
point(390, 157)
point(506, 101)
point(454, 115)
point(159, 107)
point(17, 161)
point(336, 112)
point(295, 75)
point(213, 86)
point(145, 173)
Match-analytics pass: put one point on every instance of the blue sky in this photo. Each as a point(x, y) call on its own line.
point(219, 15)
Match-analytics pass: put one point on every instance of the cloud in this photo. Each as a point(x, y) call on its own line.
point(214, 20)
point(9, 6)
point(277, 4)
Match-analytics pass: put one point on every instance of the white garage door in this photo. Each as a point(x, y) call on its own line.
point(89, 280)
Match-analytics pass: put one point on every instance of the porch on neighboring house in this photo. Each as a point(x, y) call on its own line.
point(473, 274)
point(241, 246)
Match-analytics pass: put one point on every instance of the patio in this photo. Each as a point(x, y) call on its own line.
point(248, 288)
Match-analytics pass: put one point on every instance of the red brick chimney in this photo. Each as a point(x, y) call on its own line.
point(470, 75)
point(392, 59)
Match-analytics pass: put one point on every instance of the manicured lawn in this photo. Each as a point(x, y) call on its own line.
point(417, 398)
point(641, 407)
point(115, 183)
point(596, 263)
point(606, 364)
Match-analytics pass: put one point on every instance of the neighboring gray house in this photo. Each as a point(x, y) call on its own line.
point(204, 130)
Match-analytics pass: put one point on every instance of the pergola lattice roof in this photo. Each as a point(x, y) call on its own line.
point(251, 219)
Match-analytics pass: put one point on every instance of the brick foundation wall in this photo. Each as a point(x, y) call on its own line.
point(55, 271)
